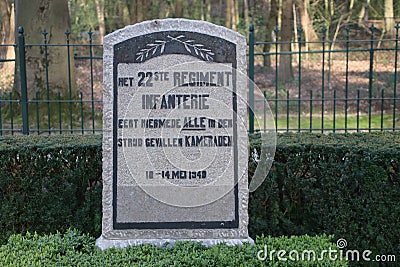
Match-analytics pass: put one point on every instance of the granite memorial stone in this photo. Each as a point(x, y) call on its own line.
point(175, 145)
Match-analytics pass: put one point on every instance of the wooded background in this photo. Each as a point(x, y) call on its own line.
point(46, 21)
point(349, 47)
point(104, 16)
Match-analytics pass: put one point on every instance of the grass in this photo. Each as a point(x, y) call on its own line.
point(60, 117)
point(329, 123)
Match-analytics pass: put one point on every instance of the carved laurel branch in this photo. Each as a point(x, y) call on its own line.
point(189, 45)
point(152, 48)
point(198, 49)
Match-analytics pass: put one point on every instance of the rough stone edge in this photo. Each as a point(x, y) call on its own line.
point(103, 243)
point(165, 25)
point(177, 24)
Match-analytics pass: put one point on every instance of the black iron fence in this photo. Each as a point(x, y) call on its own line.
point(339, 85)
point(67, 110)
point(332, 85)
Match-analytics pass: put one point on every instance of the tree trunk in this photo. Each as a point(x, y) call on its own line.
point(5, 27)
point(235, 14)
point(208, 10)
point(221, 7)
point(363, 15)
point(285, 61)
point(268, 20)
point(100, 17)
point(202, 7)
point(178, 9)
point(139, 10)
point(349, 11)
point(133, 11)
point(6, 52)
point(35, 16)
point(246, 14)
point(306, 24)
point(389, 18)
point(126, 14)
point(228, 14)
point(274, 14)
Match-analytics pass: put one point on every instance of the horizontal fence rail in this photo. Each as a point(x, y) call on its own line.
point(341, 85)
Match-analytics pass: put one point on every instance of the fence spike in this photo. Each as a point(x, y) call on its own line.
point(300, 31)
point(67, 33)
point(372, 28)
point(276, 30)
point(90, 34)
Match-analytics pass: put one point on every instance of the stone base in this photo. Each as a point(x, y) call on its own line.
point(103, 243)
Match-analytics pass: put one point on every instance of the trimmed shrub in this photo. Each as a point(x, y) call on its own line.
point(49, 184)
point(343, 184)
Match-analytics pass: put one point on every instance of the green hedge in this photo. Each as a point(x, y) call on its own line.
point(343, 184)
point(50, 183)
point(346, 185)
point(74, 249)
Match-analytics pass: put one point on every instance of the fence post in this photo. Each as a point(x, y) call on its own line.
point(323, 79)
point(22, 75)
point(45, 33)
point(251, 76)
point(371, 77)
point(397, 27)
point(300, 31)
point(346, 103)
point(276, 31)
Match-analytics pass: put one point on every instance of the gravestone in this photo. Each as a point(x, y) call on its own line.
point(175, 146)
